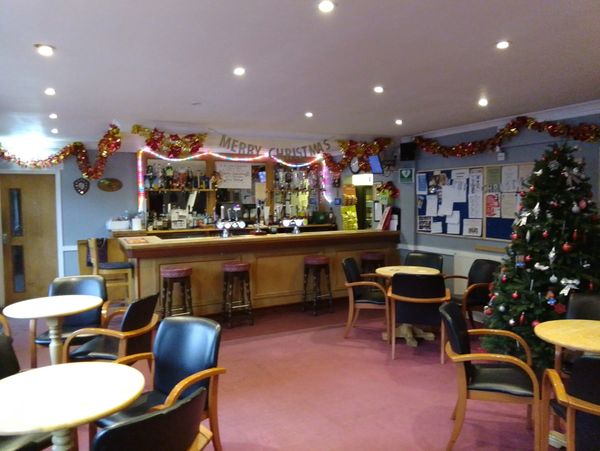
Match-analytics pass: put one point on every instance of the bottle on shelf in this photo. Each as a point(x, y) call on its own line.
point(331, 216)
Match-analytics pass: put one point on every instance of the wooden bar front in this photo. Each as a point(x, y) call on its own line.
point(276, 262)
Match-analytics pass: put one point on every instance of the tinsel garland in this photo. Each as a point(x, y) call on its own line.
point(351, 149)
point(170, 145)
point(109, 144)
point(582, 132)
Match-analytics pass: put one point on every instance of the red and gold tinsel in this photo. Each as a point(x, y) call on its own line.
point(351, 149)
point(170, 145)
point(582, 132)
point(109, 144)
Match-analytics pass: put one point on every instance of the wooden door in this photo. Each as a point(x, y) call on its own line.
point(28, 234)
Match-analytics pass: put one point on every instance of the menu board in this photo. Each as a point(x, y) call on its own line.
point(234, 175)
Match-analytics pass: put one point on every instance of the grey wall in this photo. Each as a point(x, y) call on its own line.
point(525, 147)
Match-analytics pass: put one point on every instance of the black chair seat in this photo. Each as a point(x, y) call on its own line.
point(141, 406)
point(44, 338)
point(26, 442)
point(115, 265)
point(375, 298)
point(98, 348)
point(500, 378)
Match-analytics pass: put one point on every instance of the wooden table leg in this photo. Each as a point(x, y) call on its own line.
point(56, 344)
point(62, 440)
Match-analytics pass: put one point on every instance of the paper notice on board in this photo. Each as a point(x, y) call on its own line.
point(436, 227)
point(492, 205)
point(447, 204)
point(421, 183)
point(525, 171)
point(453, 229)
point(453, 218)
point(424, 224)
point(493, 178)
point(510, 179)
point(510, 202)
point(472, 227)
point(431, 209)
point(476, 205)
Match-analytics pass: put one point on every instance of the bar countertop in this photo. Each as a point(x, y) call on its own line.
point(154, 246)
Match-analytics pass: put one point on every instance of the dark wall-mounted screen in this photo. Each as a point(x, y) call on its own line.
point(375, 164)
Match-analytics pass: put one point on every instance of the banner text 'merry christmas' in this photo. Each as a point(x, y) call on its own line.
point(241, 147)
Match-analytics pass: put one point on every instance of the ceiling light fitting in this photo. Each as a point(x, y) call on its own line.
point(398, 121)
point(44, 49)
point(378, 89)
point(53, 116)
point(49, 91)
point(483, 102)
point(502, 45)
point(239, 71)
point(54, 131)
point(308, 114)
point(326, 6)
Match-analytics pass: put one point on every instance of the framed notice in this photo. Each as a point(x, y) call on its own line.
point(234, 175)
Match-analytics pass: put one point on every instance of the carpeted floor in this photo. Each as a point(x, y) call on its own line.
point(293, 383)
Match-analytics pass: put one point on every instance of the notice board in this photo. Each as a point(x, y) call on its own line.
point(477, 202)
point(234, 175)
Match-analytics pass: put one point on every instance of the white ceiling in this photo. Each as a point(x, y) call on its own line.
point(169, 64)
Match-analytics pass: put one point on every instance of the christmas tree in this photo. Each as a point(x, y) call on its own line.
point(554, 250)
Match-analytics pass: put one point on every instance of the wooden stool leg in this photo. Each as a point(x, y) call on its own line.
point(328, 287)
point(316, 283)
point(188, 296)
point(305, 289)
point(169, 298)
point(163, 299)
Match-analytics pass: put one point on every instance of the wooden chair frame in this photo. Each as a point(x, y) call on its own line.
point(463, 303)
point(211, 411)
point(552, 384)
point(104, 319)
point(123, 337)
point(396, 298)
point(354, 308)
point(118, 277)
point(5, 325)
point(533, 403)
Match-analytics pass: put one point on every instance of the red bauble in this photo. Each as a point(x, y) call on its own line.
point(531, 189)
point(567, 247)
point(522, 194)
point(554, 204)
point(545, 234)
point(528, 258)
point(504, 278)
point(514, 236)
point(515, 295)
point(522, 318)
point(488, 311)
point(582, 204)
point(574, 235)
point(591, 286)
point(534, 323)
point(560, 308)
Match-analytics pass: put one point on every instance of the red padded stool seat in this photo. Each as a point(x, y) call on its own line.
point(370, 261)
point(316, 268)
point(171, 275)
point(236, 291)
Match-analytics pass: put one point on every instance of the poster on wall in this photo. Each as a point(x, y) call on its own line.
point(234, 175)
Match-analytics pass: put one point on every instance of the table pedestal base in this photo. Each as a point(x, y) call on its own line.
point(62, 440)
point(56, 344)
point(410, 333)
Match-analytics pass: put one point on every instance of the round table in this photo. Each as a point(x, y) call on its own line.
point(56, 398)
point(53, 309)
point(389, 271)
point(576, 334)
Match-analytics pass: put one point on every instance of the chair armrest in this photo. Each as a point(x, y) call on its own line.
point(474, 357)
point(5, 325)
point(508, 334)
point(106, 315)
point(133, 358)
point(552, 381)
point(176, 391)
point(366, 284)
point(455, 276)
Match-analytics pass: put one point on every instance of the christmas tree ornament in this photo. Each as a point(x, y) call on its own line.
point(522, 193)
point(538, 172)
point(552, 255)
point(528, 236)
point(536, 210)
point(532, 189)
point(511, 322)
point(553, 279)
point(488, 311)
point(534, 323)
point(502, 308)
point(560, 308)
point(504, 278)
point(574, 235)
point(554, 204)
point(515, 295)
point(514, 236)
point(567, 247)
point(541, 267)
point(591, 286)
point(528, 258)
point(545, 234)
point(575, 208)
point(583, 204)
point(548, 215)
point(522, 318)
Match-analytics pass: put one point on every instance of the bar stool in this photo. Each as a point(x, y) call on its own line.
point(236, 290)
point(370, 261)
point(117, 275)
point(314, 266)
point(171, 275)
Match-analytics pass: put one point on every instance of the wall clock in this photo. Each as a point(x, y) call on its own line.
point(81, 186)
point(355, 165)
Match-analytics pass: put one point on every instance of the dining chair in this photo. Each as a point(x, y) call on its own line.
point(363, 294)
point(414, 299)
point(577, 401)
point(9, 365)
point(134, 335)
point(185, 348)
point(88, 285)
point(175, 428)
point(427, 259)
point(476, 295)
point(118, 275)
point(488, 377)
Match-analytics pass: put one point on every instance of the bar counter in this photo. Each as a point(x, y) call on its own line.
point(276, 262)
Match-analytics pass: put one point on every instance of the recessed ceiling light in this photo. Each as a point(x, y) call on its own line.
point(483, 102)
point(44, 49)
point(54, 131)
point(501, 45)
point(308, 114)
point(326, 6)
point(239, 71)
point(53, 116)
point(49, 91)
point(398, 121)
point(378, 89)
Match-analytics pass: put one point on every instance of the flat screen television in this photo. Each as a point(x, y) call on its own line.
point(375, 164)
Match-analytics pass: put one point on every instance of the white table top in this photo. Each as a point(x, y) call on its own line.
point(52, 306)
point(389, 271)
point(64, 396)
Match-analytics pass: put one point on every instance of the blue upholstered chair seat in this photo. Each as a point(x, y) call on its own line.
point(99, 348)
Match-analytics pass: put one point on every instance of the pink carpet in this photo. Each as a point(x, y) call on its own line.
point(293, 383)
